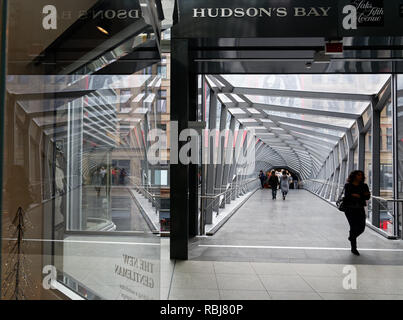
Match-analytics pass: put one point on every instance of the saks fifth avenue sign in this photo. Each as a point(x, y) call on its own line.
point(261, 12)
point(363, 13)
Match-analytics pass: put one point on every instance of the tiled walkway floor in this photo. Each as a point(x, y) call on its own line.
point(234, 280)
point(292, 249)
point(301, 229)
point(215, 280)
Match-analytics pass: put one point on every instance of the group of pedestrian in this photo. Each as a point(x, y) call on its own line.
point(118, 176)
point(354, 197)
point(278, 181)
point(100, 177)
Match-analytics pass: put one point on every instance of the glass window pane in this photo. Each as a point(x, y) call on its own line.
point(368, 167)
point(346, 106)
point(399, 141)
point(347, 123)
point(75, 153)
point(320, 130)
point(342, 83)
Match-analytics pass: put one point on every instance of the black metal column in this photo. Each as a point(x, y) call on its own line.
point(395, 171)
point(182, 176)
point(361, 144)
point(193, 168)
point(376, 164)
point(221, 154)
point(210, 166)
point(3, 24)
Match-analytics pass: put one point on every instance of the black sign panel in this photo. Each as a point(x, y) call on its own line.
point(370, 18)
point(256, 18)
point(293, 18)
point(370, 13)
point(103, 23)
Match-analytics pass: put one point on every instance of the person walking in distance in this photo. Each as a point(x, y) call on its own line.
point(262, 177)
point(296, 186)
point(284, 184)
point(273, 182)
point(122, 176)
point(102, 172)
point(356, 193)
point(113, 172)
point(96, 181)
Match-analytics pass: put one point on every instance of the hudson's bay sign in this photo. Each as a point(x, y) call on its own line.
point(260, 12)
point(294, 18)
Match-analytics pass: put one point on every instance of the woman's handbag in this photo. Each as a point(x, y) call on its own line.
point(340, 202)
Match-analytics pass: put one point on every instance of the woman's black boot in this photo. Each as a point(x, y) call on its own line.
point(354, 246)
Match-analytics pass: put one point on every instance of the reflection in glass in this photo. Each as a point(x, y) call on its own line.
point(399, 142)
point(368, 167)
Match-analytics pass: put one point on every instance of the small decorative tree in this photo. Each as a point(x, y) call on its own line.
point(17, 280)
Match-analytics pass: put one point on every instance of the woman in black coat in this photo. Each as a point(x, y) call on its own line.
point(356, 193)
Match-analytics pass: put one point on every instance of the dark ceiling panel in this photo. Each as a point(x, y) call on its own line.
point(105, 26)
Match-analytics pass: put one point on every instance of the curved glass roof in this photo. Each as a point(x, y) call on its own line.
point(299, 119)
point(343, 106)
point(326, 83)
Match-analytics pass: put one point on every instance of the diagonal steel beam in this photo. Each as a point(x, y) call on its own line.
point(295, 93)
point(317, 112)
point(309, 123)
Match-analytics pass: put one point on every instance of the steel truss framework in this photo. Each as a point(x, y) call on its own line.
point(315, 125)
point(226, 179)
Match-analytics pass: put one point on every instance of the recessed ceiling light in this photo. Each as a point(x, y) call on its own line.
point(102, 30)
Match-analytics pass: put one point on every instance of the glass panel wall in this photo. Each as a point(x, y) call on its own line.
point(399, 145)
point(343, 83)
point(356, 158)
point(368, 167)
point(317, 113)
point(79, 191)
point(386, 171)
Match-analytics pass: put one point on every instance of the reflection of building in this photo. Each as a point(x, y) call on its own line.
point(385, 169)
point(141, 110)
point(69, 93)
point(164, 101)
point(82, 100)
point(137, 116)
point(385, 153)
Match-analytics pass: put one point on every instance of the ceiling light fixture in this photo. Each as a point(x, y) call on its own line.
point(103, 30)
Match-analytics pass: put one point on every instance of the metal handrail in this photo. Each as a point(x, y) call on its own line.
point(155, 195)
point(387, 200)
point(211, 196)
point(384, 204)
point(325, 183)
point(381, 201)
point(342, 185)
point(233, 188)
